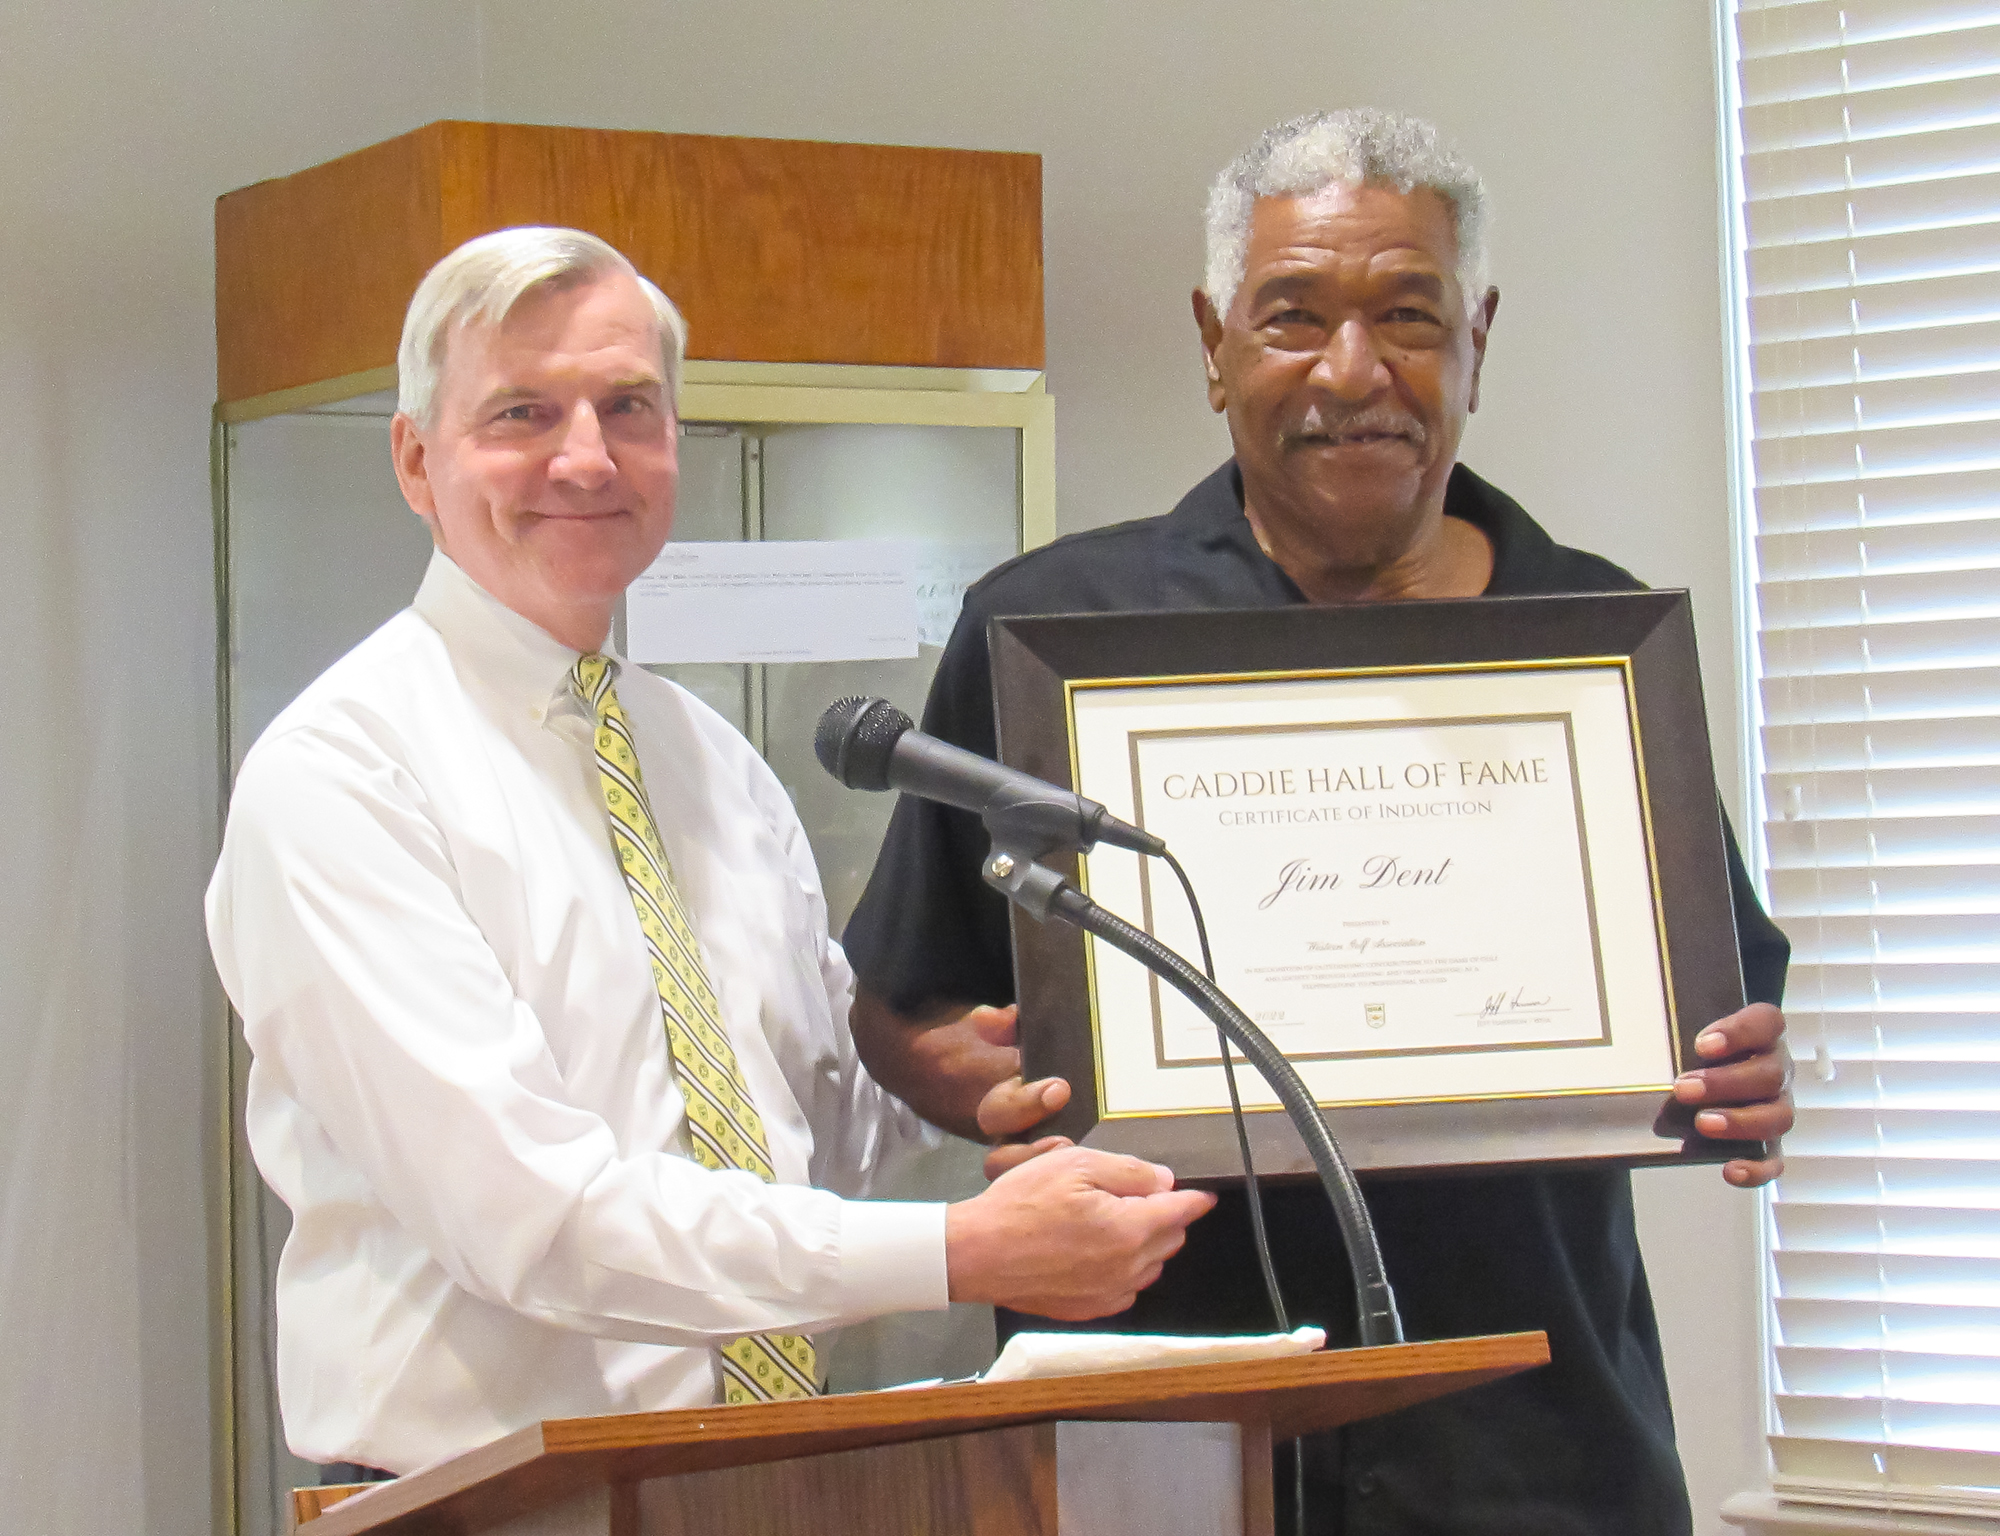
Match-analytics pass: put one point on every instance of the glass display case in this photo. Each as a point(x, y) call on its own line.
point(315, 548)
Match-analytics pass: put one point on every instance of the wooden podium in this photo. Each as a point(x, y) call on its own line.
point(1185, 1449)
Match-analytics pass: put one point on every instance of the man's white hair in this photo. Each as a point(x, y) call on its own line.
point(1355, 146)
point(482, 281)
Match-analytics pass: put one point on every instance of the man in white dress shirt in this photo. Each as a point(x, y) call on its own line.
point(462, 1083)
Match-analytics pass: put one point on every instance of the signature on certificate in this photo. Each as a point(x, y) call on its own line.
point(1499, 1005)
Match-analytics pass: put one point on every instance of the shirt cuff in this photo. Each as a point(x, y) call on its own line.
point(892, 1258)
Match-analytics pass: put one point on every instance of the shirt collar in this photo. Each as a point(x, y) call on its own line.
point(510, 654)
point(1211, 517)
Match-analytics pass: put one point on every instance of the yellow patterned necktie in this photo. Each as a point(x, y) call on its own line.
point(724, 1129)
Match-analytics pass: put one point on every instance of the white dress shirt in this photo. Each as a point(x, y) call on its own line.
point(461, 1083)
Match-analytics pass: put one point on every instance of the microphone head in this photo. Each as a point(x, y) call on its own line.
point(855, 739)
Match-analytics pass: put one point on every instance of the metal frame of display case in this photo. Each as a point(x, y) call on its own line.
point(793, 394)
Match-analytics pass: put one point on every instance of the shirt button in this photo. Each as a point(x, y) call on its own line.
point(1366, 1484)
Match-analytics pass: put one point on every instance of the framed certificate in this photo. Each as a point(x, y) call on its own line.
point(1462, 861)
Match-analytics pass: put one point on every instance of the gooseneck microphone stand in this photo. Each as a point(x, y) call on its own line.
point(1042, 894)
point(870, 744)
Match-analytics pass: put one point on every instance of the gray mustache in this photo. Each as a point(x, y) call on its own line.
point(1321, 422)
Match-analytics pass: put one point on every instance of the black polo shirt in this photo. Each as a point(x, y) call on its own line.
point(1584, 1445)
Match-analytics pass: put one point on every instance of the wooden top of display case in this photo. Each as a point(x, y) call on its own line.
point(783, 251)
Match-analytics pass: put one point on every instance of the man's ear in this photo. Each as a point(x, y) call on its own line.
point(1209, 320)
point(1482, 322)
point(407, 452)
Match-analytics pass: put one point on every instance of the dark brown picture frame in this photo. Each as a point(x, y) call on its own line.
point(1037, 659)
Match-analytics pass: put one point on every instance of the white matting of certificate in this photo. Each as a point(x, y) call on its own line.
point(1423, 885)
point(782, 600)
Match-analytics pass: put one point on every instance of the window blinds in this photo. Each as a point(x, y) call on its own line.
point(1871, 177)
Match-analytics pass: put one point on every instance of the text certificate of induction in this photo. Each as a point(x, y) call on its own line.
point(1425, 885)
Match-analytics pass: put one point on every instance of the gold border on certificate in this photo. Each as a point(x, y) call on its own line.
point(1164, 1060)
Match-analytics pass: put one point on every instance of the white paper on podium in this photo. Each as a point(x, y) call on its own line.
point(1030, 1355)
point(789, 600)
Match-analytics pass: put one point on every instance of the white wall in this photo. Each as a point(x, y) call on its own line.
point(118, 126)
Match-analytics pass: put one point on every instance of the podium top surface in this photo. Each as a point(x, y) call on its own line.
point(1296, 1395)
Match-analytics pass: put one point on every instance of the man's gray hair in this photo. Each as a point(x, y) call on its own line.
point(482, 281)
point(1355, 146)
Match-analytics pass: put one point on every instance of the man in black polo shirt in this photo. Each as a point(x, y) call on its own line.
point(1343, 321)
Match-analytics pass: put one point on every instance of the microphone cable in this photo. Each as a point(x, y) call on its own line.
point(1252, 1189)
point(1251, 1186)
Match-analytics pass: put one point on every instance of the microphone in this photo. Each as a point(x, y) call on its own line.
point(870, 744)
